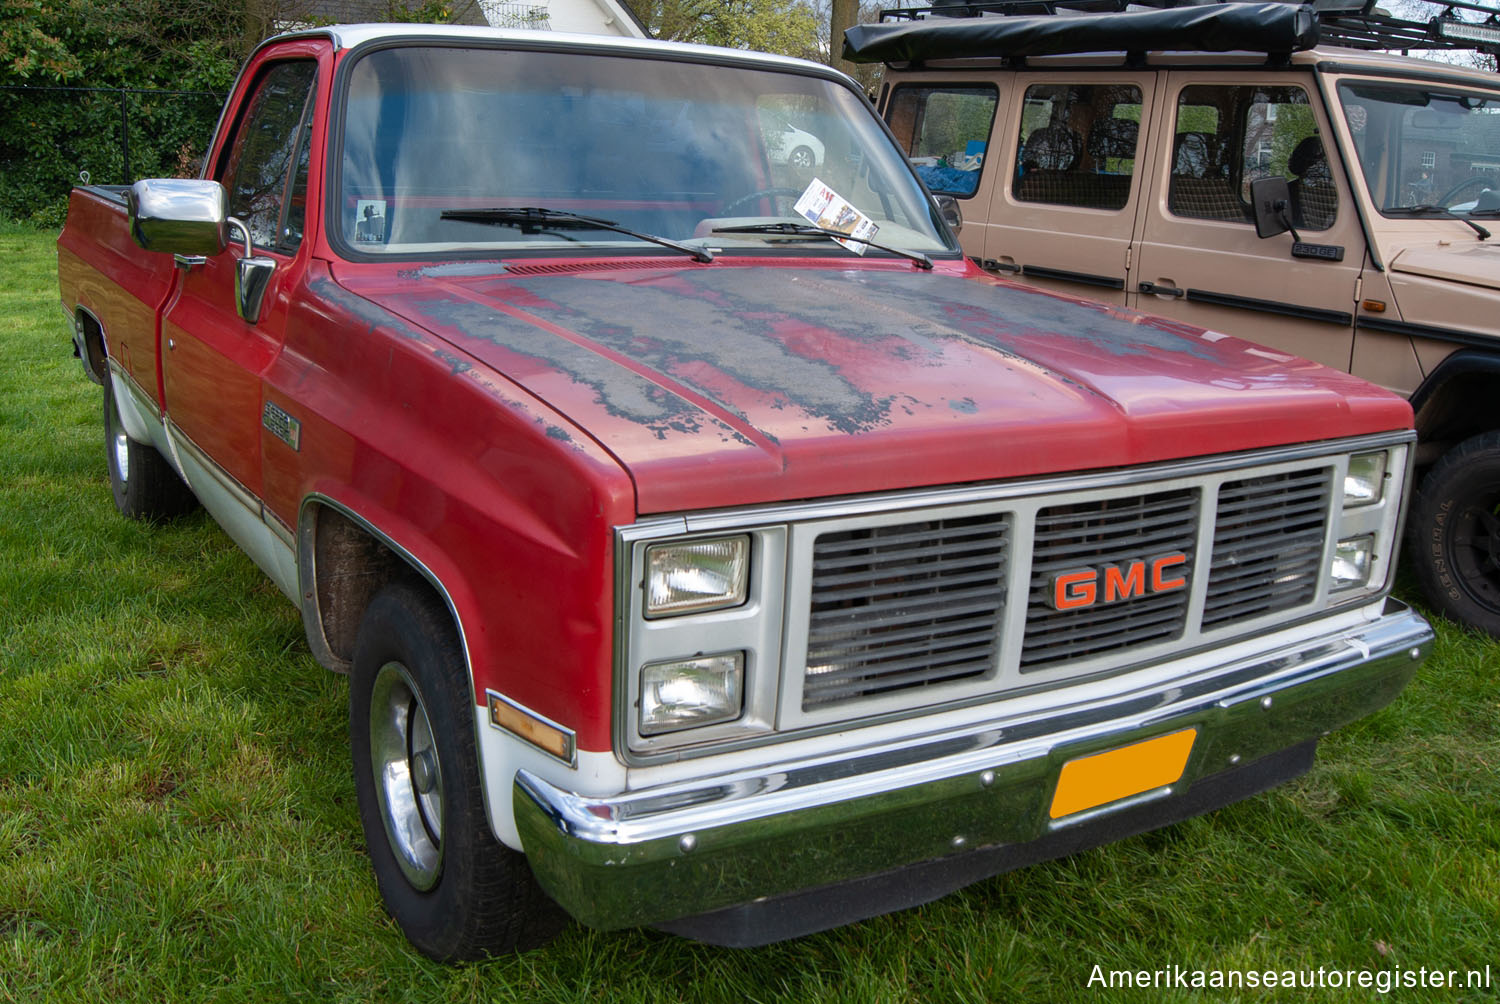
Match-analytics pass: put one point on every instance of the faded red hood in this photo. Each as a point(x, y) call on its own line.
point(726, 384)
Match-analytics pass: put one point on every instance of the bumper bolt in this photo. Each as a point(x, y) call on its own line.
point(1234, 759)
point(1265, 702)
point(687, 843)
point(959, 841)
point(1415, 653)
point(987, 778)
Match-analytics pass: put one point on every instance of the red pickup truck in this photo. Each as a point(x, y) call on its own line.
point(708, 543)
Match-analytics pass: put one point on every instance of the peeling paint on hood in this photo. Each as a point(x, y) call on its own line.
point(741, 384)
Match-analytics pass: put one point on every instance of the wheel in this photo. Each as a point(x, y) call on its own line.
point(144, 485)
point(455, 891)
point(764, 193)
point(1456, 533)
point(802, 159)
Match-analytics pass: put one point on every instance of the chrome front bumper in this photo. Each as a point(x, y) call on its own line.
point(691, 848)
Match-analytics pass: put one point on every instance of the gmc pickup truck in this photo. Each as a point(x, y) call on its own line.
point(708, 542)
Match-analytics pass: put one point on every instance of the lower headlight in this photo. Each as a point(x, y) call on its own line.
point(690, 692)
point(1351, 562)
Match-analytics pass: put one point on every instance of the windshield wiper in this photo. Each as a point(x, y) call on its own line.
point(534, 219)
point(808, 230)
point(1483, 233)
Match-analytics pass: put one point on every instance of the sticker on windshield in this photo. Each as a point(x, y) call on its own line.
point(825, 208)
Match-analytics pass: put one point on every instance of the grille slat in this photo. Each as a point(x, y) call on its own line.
point(1088, 537)
point(905, 606)
point(1268, 545)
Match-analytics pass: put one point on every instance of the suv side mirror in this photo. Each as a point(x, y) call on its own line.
point(948, 209)
point(1272, 200)
point(190, 218)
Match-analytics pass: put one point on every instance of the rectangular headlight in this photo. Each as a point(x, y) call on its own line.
point(691, 692)
point(694, 576)
point(1365, 480)
point(1351, 562)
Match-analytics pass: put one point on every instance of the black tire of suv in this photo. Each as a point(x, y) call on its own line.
point(484, 899)
point(144, 485)
point(1455, 538)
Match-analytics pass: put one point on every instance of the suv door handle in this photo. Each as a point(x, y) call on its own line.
point(1158, 290)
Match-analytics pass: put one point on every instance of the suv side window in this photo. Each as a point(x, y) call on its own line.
point(1078, 144)
point(264, 167)
point(1230, 136)
point(945, 131)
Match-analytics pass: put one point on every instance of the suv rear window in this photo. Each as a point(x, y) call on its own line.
point(1078, 144)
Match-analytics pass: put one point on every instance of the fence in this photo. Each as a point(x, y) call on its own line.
point(51, 137)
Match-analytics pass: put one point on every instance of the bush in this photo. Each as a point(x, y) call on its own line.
point(48, 135)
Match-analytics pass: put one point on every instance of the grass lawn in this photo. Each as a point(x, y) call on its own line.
point(177, 816)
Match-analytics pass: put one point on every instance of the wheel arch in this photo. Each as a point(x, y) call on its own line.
point(343, 560)
point(92, 346)
point(1442, 418)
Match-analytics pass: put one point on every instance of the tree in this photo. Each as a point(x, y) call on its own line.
point(788, 27)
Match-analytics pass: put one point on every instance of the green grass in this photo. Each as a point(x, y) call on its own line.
point(177, 818)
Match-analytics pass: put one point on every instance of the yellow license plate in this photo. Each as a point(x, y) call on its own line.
point(1115, 774)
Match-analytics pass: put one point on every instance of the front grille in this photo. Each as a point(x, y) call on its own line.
point(1115, 581)
point(1268, 545)
point(907, 606)
point(1094, 536)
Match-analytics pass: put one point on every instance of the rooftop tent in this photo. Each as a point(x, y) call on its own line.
point(1276, 28)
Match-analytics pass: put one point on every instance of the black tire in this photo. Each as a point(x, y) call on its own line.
point(456, 892)
point(144, 485)
point(1455, 535)
point(802, 159)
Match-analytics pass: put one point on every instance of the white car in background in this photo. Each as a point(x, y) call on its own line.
point(797, 147)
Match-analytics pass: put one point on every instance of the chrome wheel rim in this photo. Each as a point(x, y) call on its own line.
point(121, 445)
point(408, 775)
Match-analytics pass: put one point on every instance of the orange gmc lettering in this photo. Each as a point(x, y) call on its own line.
point(1128, 580)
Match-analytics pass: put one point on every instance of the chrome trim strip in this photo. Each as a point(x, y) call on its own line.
point(688, 848)
point(226, 481)
point(238, 511)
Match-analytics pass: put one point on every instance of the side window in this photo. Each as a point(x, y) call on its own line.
point(1228, 137)
point(945, 132)
point(264, 168)
point(1078, 144)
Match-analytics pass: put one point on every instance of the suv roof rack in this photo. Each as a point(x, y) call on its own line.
point(1358, 24)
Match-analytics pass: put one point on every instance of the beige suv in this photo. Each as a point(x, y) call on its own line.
point(1227, 166)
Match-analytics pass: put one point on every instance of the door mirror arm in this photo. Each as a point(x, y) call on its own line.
point(252, 276)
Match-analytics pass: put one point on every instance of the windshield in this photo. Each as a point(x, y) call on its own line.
point(1423, 149)
point(670, 149)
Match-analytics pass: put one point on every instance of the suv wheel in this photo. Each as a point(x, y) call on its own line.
point(1456, 533)
point(455, 891)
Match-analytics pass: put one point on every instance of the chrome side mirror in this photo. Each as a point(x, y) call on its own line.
point(179, 216)
point(190, 218)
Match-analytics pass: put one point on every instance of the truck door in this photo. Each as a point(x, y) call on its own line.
point(212, 358)
point(1199, 259)
point(1064, 209)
